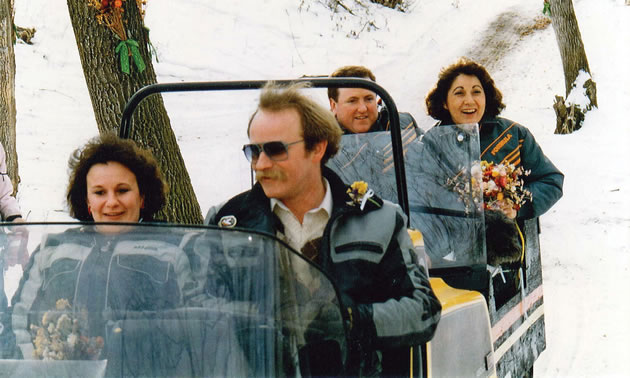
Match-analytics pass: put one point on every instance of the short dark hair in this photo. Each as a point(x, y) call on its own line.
point(349, 71)
point(318, 123)
point(436, 98)
point(110, 148)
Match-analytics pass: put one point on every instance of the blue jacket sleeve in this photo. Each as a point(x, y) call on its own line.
point(544, 181)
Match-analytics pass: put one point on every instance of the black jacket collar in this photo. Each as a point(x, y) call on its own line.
point(252, 209)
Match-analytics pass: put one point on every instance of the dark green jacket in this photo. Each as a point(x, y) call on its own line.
point(503, 140)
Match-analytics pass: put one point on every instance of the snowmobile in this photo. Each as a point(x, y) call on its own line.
point(259, 308)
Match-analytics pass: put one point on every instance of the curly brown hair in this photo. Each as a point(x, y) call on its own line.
point(436, 98)
point(110, 148)
point(349, 71)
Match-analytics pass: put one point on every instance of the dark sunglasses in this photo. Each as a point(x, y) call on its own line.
point(276, 150)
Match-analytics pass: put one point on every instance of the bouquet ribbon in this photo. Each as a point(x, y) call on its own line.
point(369, 194)
point(129, 48)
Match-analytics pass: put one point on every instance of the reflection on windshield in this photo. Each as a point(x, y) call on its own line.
point(162, 301)
point(444, 199)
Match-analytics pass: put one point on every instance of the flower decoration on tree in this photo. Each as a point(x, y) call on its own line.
point(360, 194)
point(110, 13)
point(503, 188)
point(60, 336)
point(546, 8)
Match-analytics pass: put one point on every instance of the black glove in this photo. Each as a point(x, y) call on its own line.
point(327, 324)
point(503, 244)
point(361, 329)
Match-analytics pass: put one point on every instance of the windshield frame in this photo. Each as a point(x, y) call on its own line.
point(126, 122)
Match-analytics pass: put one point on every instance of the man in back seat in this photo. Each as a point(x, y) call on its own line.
point(356, 109)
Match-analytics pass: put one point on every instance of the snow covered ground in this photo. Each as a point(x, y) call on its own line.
point(585, 238)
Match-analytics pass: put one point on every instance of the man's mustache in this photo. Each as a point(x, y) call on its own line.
point(273, 175)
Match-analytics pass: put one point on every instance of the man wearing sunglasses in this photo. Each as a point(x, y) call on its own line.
point(357, 109)
point(360, 240)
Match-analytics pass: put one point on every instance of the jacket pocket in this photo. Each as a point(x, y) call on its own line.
point(149, 267)
point(367, 251)
point(360, 246)
point(60, 271)
point(142, 283)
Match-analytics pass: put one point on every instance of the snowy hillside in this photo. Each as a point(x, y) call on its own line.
point(585, 238)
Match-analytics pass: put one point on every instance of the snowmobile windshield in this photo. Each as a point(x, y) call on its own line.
point(443, 184)
point(162, 300)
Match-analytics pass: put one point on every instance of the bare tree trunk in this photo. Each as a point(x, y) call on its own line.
point(569, 41)
point(110, 89)
point(7, 90)
point(574, 60)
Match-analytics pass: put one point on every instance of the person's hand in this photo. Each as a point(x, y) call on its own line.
point(361, 329)
point(503, 245)
point(508, 209)
point(327, 323)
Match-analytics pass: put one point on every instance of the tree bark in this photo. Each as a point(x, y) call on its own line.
point(569, 39)
point(7, 90)
point(390, 3)
point(110, 89)
point(569, 117)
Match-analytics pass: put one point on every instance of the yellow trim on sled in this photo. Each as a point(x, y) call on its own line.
point(416, 237)
point(451, 298)
point(411, 362)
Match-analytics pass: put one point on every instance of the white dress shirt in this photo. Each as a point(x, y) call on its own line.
point(296, 234)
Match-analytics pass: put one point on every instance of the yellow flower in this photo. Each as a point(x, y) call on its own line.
point(359, 187)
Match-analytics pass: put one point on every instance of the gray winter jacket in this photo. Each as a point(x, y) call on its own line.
point(370, 257)
point(101, 274)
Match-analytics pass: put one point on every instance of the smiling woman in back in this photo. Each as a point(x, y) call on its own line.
point(465, 93)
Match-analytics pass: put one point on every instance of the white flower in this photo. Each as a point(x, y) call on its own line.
point(475, 171)
point(490, 186)
point(73, 338)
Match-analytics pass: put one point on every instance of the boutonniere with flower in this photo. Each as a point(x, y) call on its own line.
point(360, 195)
point(503, 188)
point(60, 336)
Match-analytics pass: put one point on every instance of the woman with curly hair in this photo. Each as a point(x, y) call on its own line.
point(104, 271)
point(466, 94)
point(113, 180)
